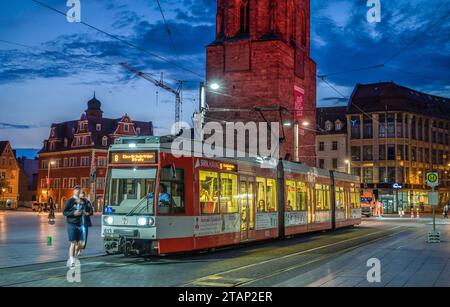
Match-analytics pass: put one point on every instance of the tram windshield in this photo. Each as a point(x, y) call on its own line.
point(131, 191)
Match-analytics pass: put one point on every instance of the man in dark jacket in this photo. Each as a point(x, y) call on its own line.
point(73, 212)
point(86, 221)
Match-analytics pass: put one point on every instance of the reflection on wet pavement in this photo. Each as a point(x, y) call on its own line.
point(24, 239)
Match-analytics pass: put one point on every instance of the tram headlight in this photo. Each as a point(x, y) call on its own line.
point(142, 221)
point(109, 220)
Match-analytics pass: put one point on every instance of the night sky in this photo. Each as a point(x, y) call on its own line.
point(52, 81)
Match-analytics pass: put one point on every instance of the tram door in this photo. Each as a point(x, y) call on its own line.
point(247, 197)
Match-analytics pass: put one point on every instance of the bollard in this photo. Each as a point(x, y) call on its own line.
point(49, 241)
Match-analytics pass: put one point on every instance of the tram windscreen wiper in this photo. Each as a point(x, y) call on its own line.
point(146, 201)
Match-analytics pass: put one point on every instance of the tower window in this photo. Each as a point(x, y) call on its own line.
point(245, 17)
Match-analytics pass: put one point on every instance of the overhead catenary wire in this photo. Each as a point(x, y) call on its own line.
point(150, 53)
point(167, 28)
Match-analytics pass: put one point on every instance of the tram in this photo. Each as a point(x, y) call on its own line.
point(159, 204)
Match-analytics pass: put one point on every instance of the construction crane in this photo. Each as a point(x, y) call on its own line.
point(160, 83)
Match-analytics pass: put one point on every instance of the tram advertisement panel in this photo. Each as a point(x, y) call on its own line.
point(216, 224)
point(340, 215)
point(323, 216)
point(356, 213)
point(296, 218)
point(266, 220)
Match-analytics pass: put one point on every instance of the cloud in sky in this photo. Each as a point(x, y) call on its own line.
point(68, 61)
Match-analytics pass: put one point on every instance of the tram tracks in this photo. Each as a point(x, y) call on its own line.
point(28, 276)
point(221, 280)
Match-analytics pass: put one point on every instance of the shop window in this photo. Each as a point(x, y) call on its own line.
point(172, 181)
point(228, 193)
point(322, 197)
point(209, 192)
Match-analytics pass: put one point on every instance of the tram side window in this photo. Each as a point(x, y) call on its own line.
point(272, 195)
point(173, 183)
point(302, 197)
point(340, 198)
point(209, 192)
point(261, 194)
point(355, 198)
point(228, 193)
point(291, 196)
point(322, 197)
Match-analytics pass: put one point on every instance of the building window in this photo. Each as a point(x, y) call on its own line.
point(138, 131)
point(64, 186)
point(100, 183)
point(98, 127)
point(321, 163)
point(321, 146)
point(382, 127)
point(356, 153)
point(43, 163)
point(338, 125)
point(328, 126)
point(356, 127)
point(335, 146)
point(391, 175)
point(414, 153)
point(105, 141)
point(399, 127)
point(382, 152)
point(335, 164)
point(391, 152)
point(382, 174)
point(85, 183)
point(244, 24)
point(367, 153)
point(368, 175)
point(101, 161)
point(126, 128)
point(427, 131)
point(368, 128)
point(85, 161)
point(66, 162)
point(72, 182)
point(73, 162)
point(391, 125)
point(356, 171)
point(400, 154)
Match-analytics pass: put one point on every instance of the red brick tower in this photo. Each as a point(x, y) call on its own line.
point(261, 57)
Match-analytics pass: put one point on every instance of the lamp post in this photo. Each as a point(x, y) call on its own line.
point(348, 166)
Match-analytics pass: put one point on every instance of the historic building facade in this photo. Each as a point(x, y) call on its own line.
point(76, 154)
point(331, 139)
point(9, 175)
point(395, 136)
point(261, 60)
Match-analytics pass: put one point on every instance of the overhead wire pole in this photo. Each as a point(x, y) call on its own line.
point(160, 83)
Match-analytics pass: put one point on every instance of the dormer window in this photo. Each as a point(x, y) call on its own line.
point(98, 127)
point(105, 141)
point(66, 142)
point(138, 131)
point(53, 133)
point(126, 128)
point(328, 126)
point(338, 125)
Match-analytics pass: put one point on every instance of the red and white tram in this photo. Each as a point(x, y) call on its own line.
point(159, 204)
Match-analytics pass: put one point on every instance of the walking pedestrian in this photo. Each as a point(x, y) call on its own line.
point(86, 221)
point(73, 212)
point(51, 214)
point(446, 209)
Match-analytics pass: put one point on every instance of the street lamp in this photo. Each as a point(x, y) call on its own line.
point(348, 166)
point(214, 86)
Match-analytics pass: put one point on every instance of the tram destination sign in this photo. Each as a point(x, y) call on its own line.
point(133, 158)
